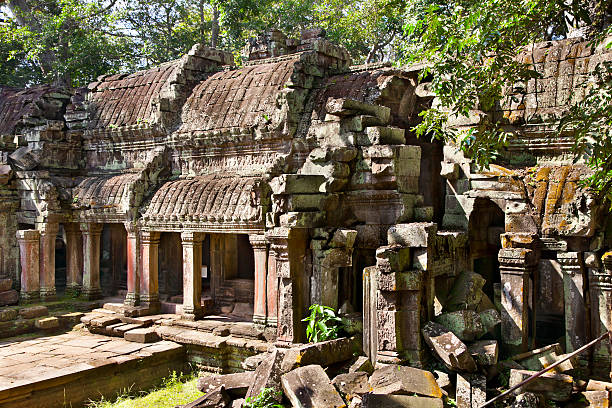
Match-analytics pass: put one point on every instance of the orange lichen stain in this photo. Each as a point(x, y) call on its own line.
point(496, 170)
point(569, 192)
point(606, 255)
point(543, 173)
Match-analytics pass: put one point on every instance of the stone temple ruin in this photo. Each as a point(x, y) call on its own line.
point(197, 189)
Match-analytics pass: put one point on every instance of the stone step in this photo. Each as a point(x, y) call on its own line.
point(114, 307)
point(142, 335)
point(6, 284)
point(47, 323)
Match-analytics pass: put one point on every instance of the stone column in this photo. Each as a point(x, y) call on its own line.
point(285, 332)
point(91, 260)
point(260, 249)
point(133, 265)
point(573, 293)
point(149, 285)
point(600, 280)
point(192, 274)
point(74, 259)
point(516, 265)
point(48, 235)
point(272, 292)
point(29, 250)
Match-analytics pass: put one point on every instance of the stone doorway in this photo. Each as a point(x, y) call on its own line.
point(60, 262)
point(113, 260)
point(170, 267)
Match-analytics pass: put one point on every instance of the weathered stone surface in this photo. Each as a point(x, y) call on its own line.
point(448, 348)
point(8, 314)
point(251, 363)
point(34, 311)
point(267, 375)
point(394, 379)
point(344, 107)
point(9, 297)
point(594, 385)
point(47, 323)
point(362, 363)
point(5, 284)
point(414, 235)
point(489, 318)
point(596, 399)
point(471, 390)
point(557, 387)
point(323, 353)
point(444, 382)
point(142, 335)
point(236, 385)
point(465, 324)
point(214, 399)
point(526, 400)
point(350, 384)
point(309, 386)
point(484, 352)
point(400, 401)
point(537, 359)
point(466, 292)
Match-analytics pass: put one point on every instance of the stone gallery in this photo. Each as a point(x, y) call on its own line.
point(198, 189)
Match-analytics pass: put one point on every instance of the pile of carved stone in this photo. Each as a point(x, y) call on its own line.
point(8, 296)
point(325, 374)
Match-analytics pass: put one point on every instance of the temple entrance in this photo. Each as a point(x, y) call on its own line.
point(113, 260)
point(170, 267)
point(60, 262)
point(487, 223)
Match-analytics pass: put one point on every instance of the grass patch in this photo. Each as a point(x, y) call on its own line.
point(176, 389)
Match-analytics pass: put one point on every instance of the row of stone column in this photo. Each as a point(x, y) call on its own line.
point(37, 255)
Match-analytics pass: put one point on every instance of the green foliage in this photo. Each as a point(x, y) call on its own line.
point(176, 389)
point(323, 324)
point(267, 398)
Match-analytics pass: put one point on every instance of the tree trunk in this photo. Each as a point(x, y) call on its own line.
point(214, 35)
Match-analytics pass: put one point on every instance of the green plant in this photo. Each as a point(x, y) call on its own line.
point(323, 324)
point(267, 398)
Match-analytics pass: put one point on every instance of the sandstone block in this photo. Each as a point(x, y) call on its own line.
point(267, 374)
point(543, 357)
point(343, 238)
point(381, 135)
point(236, 385)
point(310, 387)
point(351, 107)
point(47, 323)
point(142, 335)
point(251, 363)
point(448, 348)
point(484, 352)
point(556, 387)
point(350, 384)
point(450, 171)
point(526, 400)
point(8, 314)
point(466, 292)
point(594, 385)
point(5, 284)
point(9, 297)
point(34, 311)
point(392, 259)
point(471, 391)
point(296, 183)
point(6, 172)
point(465, 324)
point(415, 235)
point(362, 363)
point(394, 379)
point(596, 399)
point(323, 353)
point(489, 318)
point(400, 401)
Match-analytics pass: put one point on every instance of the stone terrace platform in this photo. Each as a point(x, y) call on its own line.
point(71, 368)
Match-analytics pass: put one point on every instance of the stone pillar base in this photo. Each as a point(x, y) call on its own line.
point(73, 290)
point(91, 294)
point(192, 315)
point(271, 322)
point(29, 297)
point(131, 299)
point(48, 294)
point(259, 320)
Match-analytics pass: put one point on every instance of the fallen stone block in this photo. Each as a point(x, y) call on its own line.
point(466, 292)
point(5, 284)
point(9, 297)
point(465, 324)
point(594, 385)
point(324, 353)
point(489, 319)
point(351, 107)
point(413, 235)
point(215, 399)
point(251, 363)
point(33, 312)
point(351, 384)
point(400, 401)
point(47, 323)
point(310, 387)
point(362, 363)
point(538, 359)
point(236, 385)
point(267, 375)
point(448, 348)
point(526, 400)
point(471, 391)
point(6, 172)
point(444, 382)
point(102, 321)
point(394, 379)
point(142, 335)
point(120, 330)
point(596, 399)
point(484, 352)
point(238, 403)
point(556, 387)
